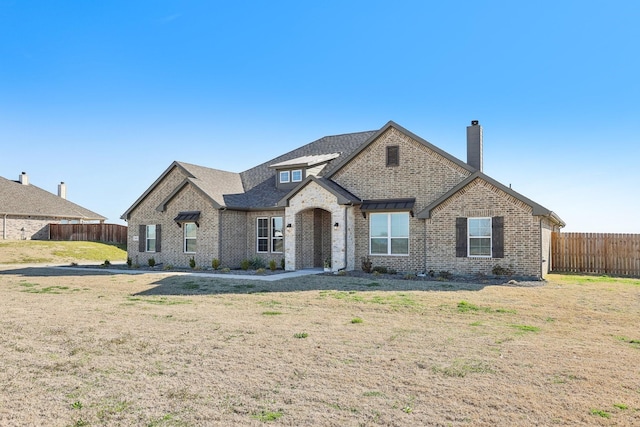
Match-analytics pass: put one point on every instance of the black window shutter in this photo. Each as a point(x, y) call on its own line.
point(158, 238)
point(142, 238)
point(497, 236)
point(461, 237)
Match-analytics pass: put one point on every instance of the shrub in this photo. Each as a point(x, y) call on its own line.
point(261, 271)
point(215, 263)
point(282, 263)
point(445, 275)
point(392, 271)
point(106, 263)
point(380, 269)
point(226, 270)
point(152, 262)
point(366, 264)
point(192, 262)
point(273, 265)
point(244, 264)
point(497, 270)
point(168, 267)
point(129, 261)
point(257, 263)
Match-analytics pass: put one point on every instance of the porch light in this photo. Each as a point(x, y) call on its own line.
point(289, 225)
point(335, 226)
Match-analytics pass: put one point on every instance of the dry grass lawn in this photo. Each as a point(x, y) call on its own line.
point(92, 348)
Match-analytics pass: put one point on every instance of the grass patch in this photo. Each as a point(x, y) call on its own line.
point(300, 335)
point(526, 328)
point(634, 342)
point(357, 320)
point(31, 288)
point(620, 406)
point(587, 280)
point(190, 286)
point(461, 368)
point(271, 313)
point(600, 413)
point(266, 416)
point(160, 300)
point(373, 394)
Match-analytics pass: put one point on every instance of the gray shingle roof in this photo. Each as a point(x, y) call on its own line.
point(28, 200)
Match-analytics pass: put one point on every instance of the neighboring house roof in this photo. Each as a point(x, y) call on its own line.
point(536, 208)
point(28, 200)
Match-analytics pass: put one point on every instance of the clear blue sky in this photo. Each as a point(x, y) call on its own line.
point(104, 95)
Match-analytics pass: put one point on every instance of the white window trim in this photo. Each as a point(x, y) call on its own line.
point(490, 237)
point(284, 173)
point(258, 237)
point(155, 238)
point(184, 238)
point(389, 237)
point(294, 171)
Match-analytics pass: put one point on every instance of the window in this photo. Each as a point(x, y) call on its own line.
point(190, 237)
point(389, 233)
point(479, 235)
point(284, 176)
point(263, 235)
point(296, 175)
point(151, 238)
point(277, 243)
point(393, 155)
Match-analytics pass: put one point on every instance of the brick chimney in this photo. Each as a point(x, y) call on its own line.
point(474, 145)
point(23, 178)
point(62, 190)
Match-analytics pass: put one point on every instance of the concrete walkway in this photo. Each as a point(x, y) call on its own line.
point(266, 277)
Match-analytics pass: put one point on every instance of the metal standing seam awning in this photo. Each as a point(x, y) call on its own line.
point(387, 205)
point(189, 216)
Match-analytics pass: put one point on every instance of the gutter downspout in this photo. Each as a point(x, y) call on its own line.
point(4, 227)
point(346, 253)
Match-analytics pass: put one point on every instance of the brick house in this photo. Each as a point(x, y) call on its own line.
point(26, 210)
point(388, 195)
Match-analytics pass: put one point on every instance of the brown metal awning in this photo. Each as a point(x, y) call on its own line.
point(387, 205)
point(190, 216)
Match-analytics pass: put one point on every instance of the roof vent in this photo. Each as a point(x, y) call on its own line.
point(474, 123)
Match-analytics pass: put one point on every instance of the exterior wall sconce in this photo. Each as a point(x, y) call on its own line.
point(289, 225)
point(335, 226)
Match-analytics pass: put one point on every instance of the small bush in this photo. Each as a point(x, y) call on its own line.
point(445, 275)
point(497, 270)
point(152, 262)
point(106, 263)
point(367, 265)
point(257, 263)
point(192, 262)
point(244, 264)
point(129, 261)
point(261, 271)
point(215, 263)
point(380, 269)
point(392, 271)
point(226, 270)
point(168, 267)
point(410, 276)
point(273, 265)
point(282, 263)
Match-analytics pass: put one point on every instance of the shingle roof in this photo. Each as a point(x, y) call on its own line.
point(29, 200)
point(307, 160)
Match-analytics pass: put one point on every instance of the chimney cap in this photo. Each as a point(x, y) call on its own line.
point(474, 123)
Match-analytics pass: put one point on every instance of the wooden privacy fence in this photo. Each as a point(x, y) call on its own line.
point(599, 253)
point(109, 233)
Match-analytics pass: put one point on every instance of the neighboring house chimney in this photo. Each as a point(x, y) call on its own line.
point(62, 190)
point(474, 145)
point(24, 178)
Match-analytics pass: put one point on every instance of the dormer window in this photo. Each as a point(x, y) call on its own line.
point(284, 177)
point(296, 175)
